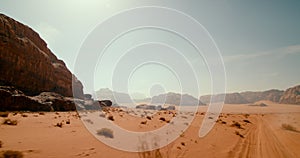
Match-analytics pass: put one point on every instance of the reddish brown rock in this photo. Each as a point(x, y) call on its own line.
point(291, 96)
point(15, 100)
point(27, 64)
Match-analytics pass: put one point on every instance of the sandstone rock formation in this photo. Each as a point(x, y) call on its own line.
point(27, 64)
point(291, 96)
point(15, 100)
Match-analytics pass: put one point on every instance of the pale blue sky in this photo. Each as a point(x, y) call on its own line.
point(259, 40)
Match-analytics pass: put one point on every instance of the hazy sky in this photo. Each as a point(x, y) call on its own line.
point(258, 40)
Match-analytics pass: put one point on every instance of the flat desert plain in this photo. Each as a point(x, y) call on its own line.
point(240, 131)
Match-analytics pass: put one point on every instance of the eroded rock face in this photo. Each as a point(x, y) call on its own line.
point(291, 96)
point(27, 64)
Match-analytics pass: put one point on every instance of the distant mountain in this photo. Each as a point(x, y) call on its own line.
point(271, 95)
point(230, 98)
point(291, 96)
point(175, 99)
point(115, 97)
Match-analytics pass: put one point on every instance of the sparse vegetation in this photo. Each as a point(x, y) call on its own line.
point(88, 121)
point(10, 122)
point(289, 127)
point(24, 115)
point(4, 114)
point(60, 124)
point(237, 124)
point(11, 154)
point(41, 113)
point(111, 118)
point(239, 134)
point(106, 132)
point(246, 115)
point(102, 115)
point(162, 119)
point(68, 121)
point(247, 121)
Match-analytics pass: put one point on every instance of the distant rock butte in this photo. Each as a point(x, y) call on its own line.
point(291, 96)
point(273, 95)
point(27, 64)
point(176, 99)
point(230, 98)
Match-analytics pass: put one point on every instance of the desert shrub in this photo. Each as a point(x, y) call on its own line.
point(24, 115)
point(239, 134)
point(41, 113)
point(68, 121)
point(4, 114)
point(237, 124)
point(289, 127)
point(60, 124)
point(10, 122)
point(162, 119)
point(110, 118)
point(11, 154)
point(144, 122)
point(247, 121)
point(106, 132)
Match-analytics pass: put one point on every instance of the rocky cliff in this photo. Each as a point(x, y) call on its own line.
point(291, 96)
point(27, 64)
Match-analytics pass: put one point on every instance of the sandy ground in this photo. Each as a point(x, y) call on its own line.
point(241, 131)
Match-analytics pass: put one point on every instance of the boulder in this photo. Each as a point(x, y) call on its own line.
point(15, 100)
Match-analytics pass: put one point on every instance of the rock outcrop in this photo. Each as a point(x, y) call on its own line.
point(15, 100)
point(27, 64)
point(291, 96)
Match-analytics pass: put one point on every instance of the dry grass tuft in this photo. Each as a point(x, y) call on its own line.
point(239, 134)
point(106, 132)
point(4, 114)
point(237, 124)
point(289, 127)
point(11, 154)
point(111, 118)
point(10, 122)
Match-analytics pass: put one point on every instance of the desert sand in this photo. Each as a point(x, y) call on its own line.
point(241, 131)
